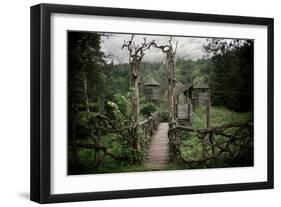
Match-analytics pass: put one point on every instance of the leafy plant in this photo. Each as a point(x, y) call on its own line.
point(148, 109)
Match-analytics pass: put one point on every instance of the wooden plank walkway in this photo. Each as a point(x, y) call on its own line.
point(158, 154)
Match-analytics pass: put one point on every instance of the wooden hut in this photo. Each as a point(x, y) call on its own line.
point(151, 90)
point(200, 93)
point(183, 103)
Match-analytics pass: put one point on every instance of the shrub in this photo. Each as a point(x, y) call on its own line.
point(148, 109)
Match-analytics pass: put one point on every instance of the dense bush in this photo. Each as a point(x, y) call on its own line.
point(148, 109)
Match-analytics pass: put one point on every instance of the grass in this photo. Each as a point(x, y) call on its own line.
point(113, 166)
point(218, 116)
point(108, 165)
point(190, 146)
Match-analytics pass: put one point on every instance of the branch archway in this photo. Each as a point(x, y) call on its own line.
point(170, 52)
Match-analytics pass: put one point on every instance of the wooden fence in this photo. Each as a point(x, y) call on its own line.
point(149, 126)
point(228, 139)
point(100, 124)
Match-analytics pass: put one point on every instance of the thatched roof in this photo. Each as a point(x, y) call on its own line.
point(180, 88)
point(151, 82)
point(200, 84)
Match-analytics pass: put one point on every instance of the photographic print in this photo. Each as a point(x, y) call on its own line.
point(141, 102)
point(130, 103)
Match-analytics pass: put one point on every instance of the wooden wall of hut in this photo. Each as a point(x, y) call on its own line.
point(200, 98)
point(184, 112)
point(152, 93)
point(200, 93)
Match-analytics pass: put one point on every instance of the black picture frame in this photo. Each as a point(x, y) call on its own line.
point(41, 95)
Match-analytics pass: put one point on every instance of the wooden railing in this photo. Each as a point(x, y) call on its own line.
point(227, 140)
point(149, 125)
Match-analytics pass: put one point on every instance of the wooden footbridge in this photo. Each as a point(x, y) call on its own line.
point(158, 153)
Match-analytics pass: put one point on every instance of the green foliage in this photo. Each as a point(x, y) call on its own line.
point(188, 70)
point(123, 103)
point(117, 80)
point(148, 109)
point(84, 61)
point(114, 113)
point(231, 78)
point(119, 109)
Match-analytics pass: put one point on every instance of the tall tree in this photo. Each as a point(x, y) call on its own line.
point(231, 77)
point(84, 60)
point(136, 54)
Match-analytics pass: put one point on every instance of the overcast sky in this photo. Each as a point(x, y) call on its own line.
point(188, 47)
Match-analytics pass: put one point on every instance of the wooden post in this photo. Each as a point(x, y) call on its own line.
point(185, 97)
point(203, 148)
point(135, 76)
point(172, 142)
point(208, 109)
point(208, 120)
point(171, 85)
point(170, 63)
point(176, 106)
